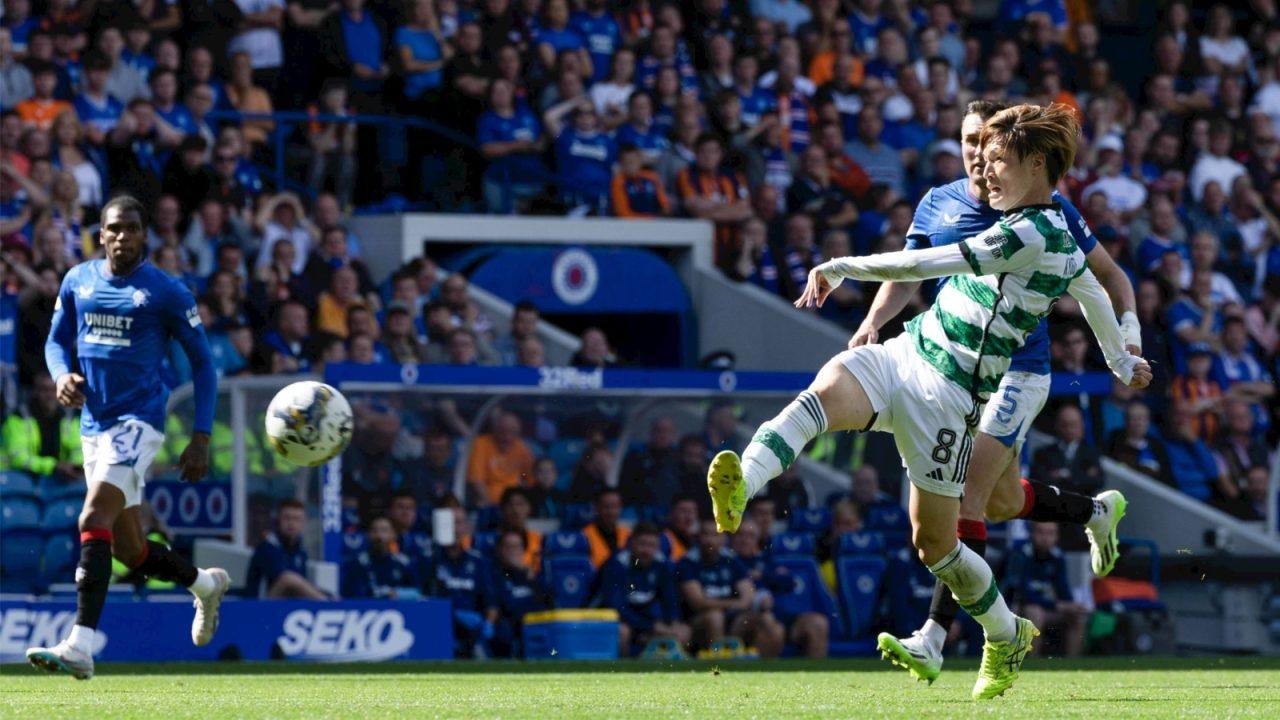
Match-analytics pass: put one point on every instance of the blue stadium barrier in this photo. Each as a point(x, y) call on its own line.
point(15, 481)
point(861, 544)
point(21, 549)
point(62, 514)
point(345, 630)
point(20, 510)
point(858, 580)
point(812, 520)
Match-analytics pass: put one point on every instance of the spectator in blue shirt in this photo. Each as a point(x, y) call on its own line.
point(640, 130)
point(809, 629)
point(663, 53)
point(602, 35)
point(756, 102)
point(557, 35)
point(1194, 468)
point(278, 568)
point(517, 590)
point(99, 112)
point(1194, 319)
point(510, 138)
point(1035, 582)
point(719, 597)
point(422, 54)
point(584, 154)
point(411, 533)
point(464, 578)
point(641, 586)
point(380, 571)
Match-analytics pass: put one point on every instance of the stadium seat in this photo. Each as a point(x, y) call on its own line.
point(566, 565)
point(353, 543)
point(858, 582)
point(20, 551)
point(891, 522)
point(565, 454)
point(808, 593)
point(15, 481)
point(792, 544)
point(909, 585)
point(20, 510)
point(53, 488)
point(488, 518)
point(575, 516)
point(61, 554)
point(861, 543)
point(810, 520)
point(565, 543)
point(484, 542)
point(62, 514)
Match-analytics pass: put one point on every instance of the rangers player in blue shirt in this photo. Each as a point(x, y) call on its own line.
point(112, 323)
point(993, 487)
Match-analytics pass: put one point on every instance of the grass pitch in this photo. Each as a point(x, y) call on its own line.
point(1097, 689)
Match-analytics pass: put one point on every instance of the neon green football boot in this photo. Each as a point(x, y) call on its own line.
point(1104, 547)
point(1001, 661)
point(728, 490)
point(915, 654)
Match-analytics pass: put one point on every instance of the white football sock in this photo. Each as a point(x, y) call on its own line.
point(934, 634)
point(204, 584)
point(778, 441)
point(969, 579)
point(81, 638)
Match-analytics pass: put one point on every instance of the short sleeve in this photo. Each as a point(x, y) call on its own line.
point(921, 224)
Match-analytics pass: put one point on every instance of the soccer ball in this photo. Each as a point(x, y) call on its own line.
point(309, 423)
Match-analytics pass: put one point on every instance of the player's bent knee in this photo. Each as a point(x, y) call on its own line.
point(933, 544)
point(843, 398)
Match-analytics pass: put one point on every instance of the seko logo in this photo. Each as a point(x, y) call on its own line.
point(21, 628)
point(344, 635)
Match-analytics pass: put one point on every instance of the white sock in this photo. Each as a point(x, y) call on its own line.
point(969, 579)
point(778, 441)
point(934, 634)
point(204, 584)
point(81, 638)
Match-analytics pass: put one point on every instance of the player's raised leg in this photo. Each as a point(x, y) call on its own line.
point(103, 505)
point(155, 560)
point(1017, 497)
point(834, 401)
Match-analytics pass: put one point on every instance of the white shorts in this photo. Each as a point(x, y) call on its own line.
point(931, 418)
point(1014, 405)
point(121, 457)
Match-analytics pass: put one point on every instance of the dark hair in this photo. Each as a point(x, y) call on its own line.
point(985, 109)
point(627, 149)
point(524, 541)
point(126, 203)
point(526, 306)
point(404, 493)
point(287, 503)
point(682, 498)
point(705, 138)
point(41, 67)
point(95, 60)
point(1232, 321)
point(646, 527)
point(159, 73)
point(606, 491)
point(512, 493)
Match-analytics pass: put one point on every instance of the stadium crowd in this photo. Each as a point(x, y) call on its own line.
point(802, 130)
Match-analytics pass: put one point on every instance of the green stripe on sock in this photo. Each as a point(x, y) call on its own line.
point(776, 445)
point(984, 603)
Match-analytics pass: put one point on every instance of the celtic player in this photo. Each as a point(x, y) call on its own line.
point(928, 385)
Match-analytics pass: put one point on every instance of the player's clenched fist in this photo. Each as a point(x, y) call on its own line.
point(1141, 374)
point(68, 390)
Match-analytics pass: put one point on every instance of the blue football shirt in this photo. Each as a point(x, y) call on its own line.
point(949, 214)
point(119, 329)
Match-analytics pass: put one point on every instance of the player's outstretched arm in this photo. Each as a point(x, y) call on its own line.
point(893, 266)
point(890, 299)
point(1100, 314)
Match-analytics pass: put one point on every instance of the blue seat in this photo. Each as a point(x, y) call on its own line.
point(892, 522)
point(807, 594)
point(861, 543)
point(570, 576)
point(55, 488)
point(20, 551)
point(565, 543)
point(20, 510)
point(61, 555)
point(488, 518)
point(909, 585)
point(810, 520)
point(353, 543)
point(793, 544)
point(16, 481)
point(858, 581)
point(566, 453)
point(484, 543)
point(575, 516)
point(62, 514)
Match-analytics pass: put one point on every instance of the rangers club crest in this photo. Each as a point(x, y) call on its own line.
point(574, 276)
point(140, 297)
